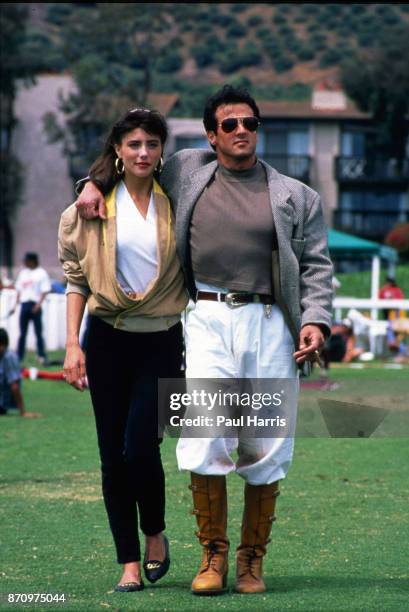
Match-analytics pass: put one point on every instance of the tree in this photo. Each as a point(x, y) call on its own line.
point(113, 50)
point(377, 79)
point(398, 237)
point(15, 66)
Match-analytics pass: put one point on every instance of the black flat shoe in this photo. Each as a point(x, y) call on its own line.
point(157, 569)
point(129, 587)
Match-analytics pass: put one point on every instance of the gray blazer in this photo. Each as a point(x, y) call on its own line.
point(305, 269)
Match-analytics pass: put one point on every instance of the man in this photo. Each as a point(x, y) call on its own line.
point(10, 379)
point(391, 291)
point(32, 285)
point(249, 237)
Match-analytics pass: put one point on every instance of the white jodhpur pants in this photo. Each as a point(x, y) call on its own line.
point(242, 342)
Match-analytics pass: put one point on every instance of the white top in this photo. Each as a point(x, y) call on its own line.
point(136, 243)
point(31, 283)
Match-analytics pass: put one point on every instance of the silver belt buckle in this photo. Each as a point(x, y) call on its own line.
point(232, 300)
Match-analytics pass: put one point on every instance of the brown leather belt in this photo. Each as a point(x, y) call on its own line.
point(234, 299)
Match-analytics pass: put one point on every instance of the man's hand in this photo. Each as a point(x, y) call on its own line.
point(31, 415)
point(36, 308)
point(91, 203)
point(74, 368)
point(311, 340)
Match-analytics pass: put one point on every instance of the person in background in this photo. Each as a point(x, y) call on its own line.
point(390, 291)
point(32, 285)
point(10, 380)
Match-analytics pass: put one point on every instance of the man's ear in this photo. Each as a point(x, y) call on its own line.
point(211, 137)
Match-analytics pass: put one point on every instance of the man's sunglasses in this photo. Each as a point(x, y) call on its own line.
point(229, 125)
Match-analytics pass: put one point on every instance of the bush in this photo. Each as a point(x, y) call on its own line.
point(58, 13)
point(279, 19)
point(369, 20)
point(391, 18)
point(204, 27)
point(230, 62)
point(305, 53)
point(223, 20)
point(318, 42)
point(203, 56)
point(263, 34)
point(358, 9)
point(282, 63)
point(335, 9)
point(332, 23)
point(203, 16)
point(343, 30)
point(365, 39)
point(239, 7)
point(330, 57)
point(272, 45)
point(171, 62)
point(254, 20)
point(235, 30)
point(285, 30)
point(216, 45)
point(310, 9)
point(250, 55)
point(234, 60)
point(176, 43)
point(398, 238)
point(292, 44)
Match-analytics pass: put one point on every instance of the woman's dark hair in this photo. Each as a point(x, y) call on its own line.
point(227, 95)
point(4, 337)
point(103, 172)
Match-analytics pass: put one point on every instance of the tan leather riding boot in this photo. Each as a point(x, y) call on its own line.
point(258, 516)
point(210, 508)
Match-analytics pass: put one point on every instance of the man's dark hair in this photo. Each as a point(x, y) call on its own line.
point(4, 337)
point(227, 95)
point(30, 256)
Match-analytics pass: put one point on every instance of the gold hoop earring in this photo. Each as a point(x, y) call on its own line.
point(159, 167)
point(119, 169)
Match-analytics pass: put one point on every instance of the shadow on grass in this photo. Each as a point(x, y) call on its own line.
point(286, 584)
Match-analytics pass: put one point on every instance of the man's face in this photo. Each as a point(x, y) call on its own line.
point(238, 145)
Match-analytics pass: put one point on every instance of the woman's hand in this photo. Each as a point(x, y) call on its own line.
point(74, 367)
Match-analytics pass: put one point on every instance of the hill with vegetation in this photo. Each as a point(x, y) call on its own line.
point(279, 50)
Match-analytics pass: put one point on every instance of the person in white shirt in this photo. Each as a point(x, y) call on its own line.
point(32, 285)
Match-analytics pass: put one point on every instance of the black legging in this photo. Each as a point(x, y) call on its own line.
point(123, 370)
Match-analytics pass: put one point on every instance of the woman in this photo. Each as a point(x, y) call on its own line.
point(126, 269)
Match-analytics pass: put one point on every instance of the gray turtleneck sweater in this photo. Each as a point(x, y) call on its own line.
point(231, 232)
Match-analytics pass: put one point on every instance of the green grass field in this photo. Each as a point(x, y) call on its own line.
point(359, 284)
point(340, 541)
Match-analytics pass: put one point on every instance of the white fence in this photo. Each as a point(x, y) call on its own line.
point(54, 313)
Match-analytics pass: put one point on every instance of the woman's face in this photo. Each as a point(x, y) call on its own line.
point(140, 152)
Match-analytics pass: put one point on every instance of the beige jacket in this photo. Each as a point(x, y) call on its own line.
point(87, 252)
